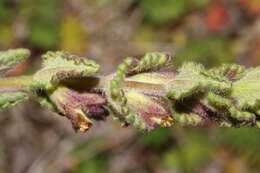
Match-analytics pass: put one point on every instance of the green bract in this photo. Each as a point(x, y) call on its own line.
point(58, 66)
point(127, 106)
point(193, 77)
point(246, 91)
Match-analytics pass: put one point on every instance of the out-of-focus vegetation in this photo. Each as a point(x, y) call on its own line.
point(212, 32)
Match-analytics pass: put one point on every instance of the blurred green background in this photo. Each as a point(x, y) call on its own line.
point(212, 32)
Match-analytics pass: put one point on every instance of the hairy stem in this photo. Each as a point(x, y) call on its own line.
point(99, 83)
point(94, 83)
point(15, 83)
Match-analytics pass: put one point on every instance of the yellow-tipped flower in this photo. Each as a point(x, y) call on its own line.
point(147, 112)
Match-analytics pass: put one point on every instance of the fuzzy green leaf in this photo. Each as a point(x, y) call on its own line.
point(230, 71)
point(194, 77)
point(11, 99)
point(10, 58)
point(246, 91)
point(58, 66)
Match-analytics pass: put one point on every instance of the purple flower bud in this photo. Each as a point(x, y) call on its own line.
point(79, 107)
point(152, 111)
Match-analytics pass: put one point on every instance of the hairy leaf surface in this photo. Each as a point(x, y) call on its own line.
point(246, 91)
point(10, 58)
point(60, 65)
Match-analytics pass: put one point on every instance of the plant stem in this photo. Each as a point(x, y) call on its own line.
point(15, 83)
point(99, 83)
